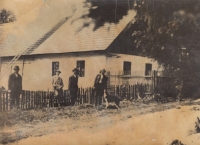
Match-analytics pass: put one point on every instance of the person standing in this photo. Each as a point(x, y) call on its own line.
point(58, 86)
point(73, 86)
point(100, 84)
point(15, 87)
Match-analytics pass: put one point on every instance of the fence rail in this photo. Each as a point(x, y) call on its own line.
point(41, 99)
point(46, 99)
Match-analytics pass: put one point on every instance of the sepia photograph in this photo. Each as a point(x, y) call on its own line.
point(99, 72)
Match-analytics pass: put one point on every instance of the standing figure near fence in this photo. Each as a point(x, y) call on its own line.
point(179, 89)
point(73, 86)
point(58, 87)
point(15, 87)
point(100, 84)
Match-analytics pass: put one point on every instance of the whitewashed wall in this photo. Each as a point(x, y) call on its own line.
point(37, 73)
point(115, 62)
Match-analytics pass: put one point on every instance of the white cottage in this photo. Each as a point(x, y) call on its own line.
point(73, 44)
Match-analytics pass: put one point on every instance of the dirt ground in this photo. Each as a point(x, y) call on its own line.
point(135, 123)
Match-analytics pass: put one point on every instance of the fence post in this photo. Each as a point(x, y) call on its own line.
point(67, 97)
point(41, 99)
point(134, 91)
point(83, 94)
point(154, 80)
point(6, 100)
point(114, 90)
point(44, 99)
point(34, 99)
point(126, 92)
point(86, 95)
point(1, 100)
point(28, 99)
point(118, 90)
point(90, 95)
point(93, 96)
point(25, 100)
point(51, 99)
point(80, 95)
point(129, 92)
point(38, 99)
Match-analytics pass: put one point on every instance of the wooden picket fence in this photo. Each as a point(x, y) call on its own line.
point(46, 99)
point(131, 91)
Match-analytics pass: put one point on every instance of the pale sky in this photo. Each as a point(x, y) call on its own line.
point(20, 7)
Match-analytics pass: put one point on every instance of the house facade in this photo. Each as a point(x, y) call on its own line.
point(37, 71)
point(73, 45)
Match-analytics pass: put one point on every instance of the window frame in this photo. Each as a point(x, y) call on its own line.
point(127, 72)
point(81, 67)
point(54, 67)
point(148, 71)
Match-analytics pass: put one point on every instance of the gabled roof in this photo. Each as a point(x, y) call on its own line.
point(74, 35)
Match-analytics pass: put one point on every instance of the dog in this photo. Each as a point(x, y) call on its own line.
point(110, 98)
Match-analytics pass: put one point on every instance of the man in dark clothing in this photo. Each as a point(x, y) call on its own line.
point(15, 87)
point(100, 84)
point(73, 86)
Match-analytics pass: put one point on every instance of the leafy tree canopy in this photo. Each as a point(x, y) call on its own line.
point(166, 30)
point(6, 16)
point(111, 11)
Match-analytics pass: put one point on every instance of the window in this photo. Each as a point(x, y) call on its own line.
point(148, 69)
point(55, 66)
point(81, 66)
point(127, 68)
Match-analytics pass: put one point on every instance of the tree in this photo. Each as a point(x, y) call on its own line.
point(166, 30)
point(111, 11)
point(6, 16)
